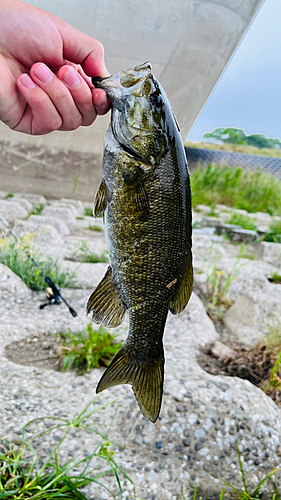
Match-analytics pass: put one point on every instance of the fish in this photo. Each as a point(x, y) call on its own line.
point(145, 199)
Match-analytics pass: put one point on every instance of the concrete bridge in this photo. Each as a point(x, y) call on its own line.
point(188, 42)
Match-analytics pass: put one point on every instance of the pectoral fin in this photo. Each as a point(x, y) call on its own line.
point(184, 292)
point(100, 199)
point(105, 303)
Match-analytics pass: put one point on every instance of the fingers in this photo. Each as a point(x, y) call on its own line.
point(57, 102)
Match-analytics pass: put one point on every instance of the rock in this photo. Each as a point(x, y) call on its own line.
point(12, 288)
point(37, 200)
point(77, 204)
point(42, 234)
point(3, 195)
point(205, 251)
point(79, 248)
point(211, 222)
point(247, 276)
point(87, 275)
point(222, 351)
point(269, 252)
point(3, 222)
point(243, 236)
point(12, 210)
point(203, 208)
point(57, 222)
point(25, 204)
point(252, 314)
point(67, 214)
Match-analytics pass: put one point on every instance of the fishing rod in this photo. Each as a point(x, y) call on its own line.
point(54, 294)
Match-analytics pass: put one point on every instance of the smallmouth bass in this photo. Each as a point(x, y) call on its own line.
point(146, 201)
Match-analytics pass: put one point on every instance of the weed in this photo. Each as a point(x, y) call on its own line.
point(79, 218)
point(244, 494)
point(275, 277)
point(96, 228)
point(22, 476)
point(88, 211)
point(10, 194)
point(37, 210)
point(217, 291)
point(75, 185)
point(249, 256)
point(250, 190)
point(85, 254)
point(212, 212)
point(274, 233)
point(243, 220)
point(88, 349)
point(16, 255)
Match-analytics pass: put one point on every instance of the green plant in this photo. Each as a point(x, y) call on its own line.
point(212, 212)
point(244, 494)
point(243, 220)
point(96, 228)
point(88, 349)
point(10, 194)
point(17, 256)
point(274, 233)
point(75, 185)
point(37, 210)
point(217, 291)
point(85, 254)
point(22, 477)
point(88, 211)
point(275, 277)
point(251, 190)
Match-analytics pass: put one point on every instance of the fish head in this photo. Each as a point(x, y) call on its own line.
point(141, 113)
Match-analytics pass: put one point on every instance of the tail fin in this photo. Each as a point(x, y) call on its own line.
point(146, 377)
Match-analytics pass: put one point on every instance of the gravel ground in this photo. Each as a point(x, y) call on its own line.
point(203, 417)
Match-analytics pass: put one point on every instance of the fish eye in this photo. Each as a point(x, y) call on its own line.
point(156, 99)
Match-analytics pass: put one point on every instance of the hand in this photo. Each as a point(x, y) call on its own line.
point(44, 63)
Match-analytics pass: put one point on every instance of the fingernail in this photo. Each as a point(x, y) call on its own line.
point(71, 78)
point(102, 103)
point(27, 82)
point(43, 74)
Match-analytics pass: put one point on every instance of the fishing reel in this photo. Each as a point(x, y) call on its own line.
point(53, 298)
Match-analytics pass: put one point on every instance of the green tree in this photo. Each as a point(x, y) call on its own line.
point(238, 136)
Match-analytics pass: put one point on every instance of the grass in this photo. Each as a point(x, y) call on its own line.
point(237, 148)
point(16, 255)
point(274, 233)
point(89, 349)
point(244, 493)
point(244, 221)
point(10, 194)
point(84, 254)
point(250, 190)
point(218, 301)
point(88, 211)
point(275, 277)
point(37, 210)
point(96, 228)
point(23, 475)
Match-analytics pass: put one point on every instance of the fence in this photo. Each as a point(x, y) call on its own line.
point(268, 164)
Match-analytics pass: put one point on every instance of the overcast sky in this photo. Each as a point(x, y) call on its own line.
point(248, 94)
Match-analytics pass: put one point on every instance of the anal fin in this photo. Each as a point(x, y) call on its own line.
point(184, 292)
point(105, 302)
point(145, 376)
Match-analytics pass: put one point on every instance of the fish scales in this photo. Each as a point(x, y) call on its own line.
point(146, 201)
